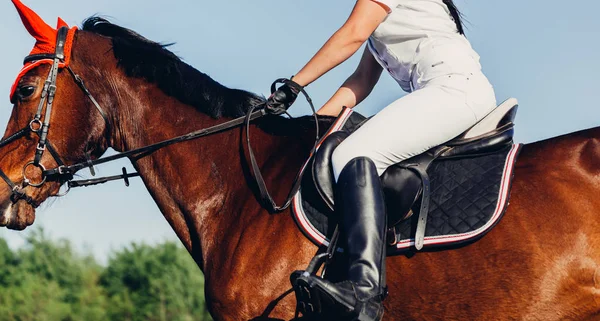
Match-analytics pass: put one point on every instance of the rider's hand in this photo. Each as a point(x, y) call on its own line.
point(283, 97)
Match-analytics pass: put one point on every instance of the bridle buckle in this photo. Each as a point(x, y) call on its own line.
point(62, 170)
point(51, 90)
point(17, 190)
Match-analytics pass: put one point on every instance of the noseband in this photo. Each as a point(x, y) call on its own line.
point(64, 173)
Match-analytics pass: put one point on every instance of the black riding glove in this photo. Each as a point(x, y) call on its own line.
point(283, 97)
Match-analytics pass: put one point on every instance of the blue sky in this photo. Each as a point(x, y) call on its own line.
point(543, 52)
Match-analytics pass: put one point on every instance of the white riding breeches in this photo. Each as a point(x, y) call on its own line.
point(440, 110)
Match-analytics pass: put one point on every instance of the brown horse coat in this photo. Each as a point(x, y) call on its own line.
point(542, 261)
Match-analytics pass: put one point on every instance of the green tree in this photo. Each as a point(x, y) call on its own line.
point(46, 280)
point(154, 283)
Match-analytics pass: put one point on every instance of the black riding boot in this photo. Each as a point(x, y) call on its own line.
point(361, 208)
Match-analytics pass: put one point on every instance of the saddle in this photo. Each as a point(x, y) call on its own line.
point(450, 195)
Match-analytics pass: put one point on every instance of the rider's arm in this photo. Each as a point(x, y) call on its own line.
point(356, 88)
point(364, 19)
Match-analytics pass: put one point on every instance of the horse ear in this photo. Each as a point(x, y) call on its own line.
point(37, 28)
point(61, 23)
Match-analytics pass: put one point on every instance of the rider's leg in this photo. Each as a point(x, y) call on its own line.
point(411, 125)
point(359, 198)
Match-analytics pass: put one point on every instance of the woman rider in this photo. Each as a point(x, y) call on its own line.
point(421, 44)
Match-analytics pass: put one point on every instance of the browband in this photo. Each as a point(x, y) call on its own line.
point(61, 39)
point(36, 57)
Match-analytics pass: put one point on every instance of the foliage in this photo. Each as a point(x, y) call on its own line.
point(154, 283)
point(47, 280)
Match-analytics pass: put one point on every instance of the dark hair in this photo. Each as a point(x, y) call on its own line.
point(456, 15)
point(142, 58)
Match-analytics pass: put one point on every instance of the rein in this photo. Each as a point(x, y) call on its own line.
point(65, 173)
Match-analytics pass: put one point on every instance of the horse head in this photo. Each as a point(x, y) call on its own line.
point(136, 93)
point(47, 93)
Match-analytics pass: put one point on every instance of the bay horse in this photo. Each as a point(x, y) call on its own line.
point(542, 261)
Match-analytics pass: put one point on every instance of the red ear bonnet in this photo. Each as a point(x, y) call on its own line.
point(45, 37)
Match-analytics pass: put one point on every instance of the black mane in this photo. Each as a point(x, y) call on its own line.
point(146, 59)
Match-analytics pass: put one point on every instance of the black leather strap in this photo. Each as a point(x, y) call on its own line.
point(8, 181)
point(81, 84)
point(72, 169)
point(424, 209)
point(54, 154)
point(69, 171)
point(266, 197)
point(50, 88)
point(267, 200)
point(419, 165)
point(61, 40)
point(17, 192)
point(22, 132)
point(96, 181)
point(36, 57)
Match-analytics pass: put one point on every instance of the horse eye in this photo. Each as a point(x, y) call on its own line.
point(25, 91)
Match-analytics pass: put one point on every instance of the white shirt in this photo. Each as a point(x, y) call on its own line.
point(419, 41)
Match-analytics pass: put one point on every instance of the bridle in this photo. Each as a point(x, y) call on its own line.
point(65, 173)
point(37, 126)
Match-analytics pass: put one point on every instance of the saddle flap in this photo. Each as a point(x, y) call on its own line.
point(401, 187)
point(322, 171)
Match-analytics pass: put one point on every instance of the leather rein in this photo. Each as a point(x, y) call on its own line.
point(65, 173)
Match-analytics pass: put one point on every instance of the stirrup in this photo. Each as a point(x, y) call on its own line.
point(306, 303)
point(314, 299)
point(309, 301)
point(299, 280)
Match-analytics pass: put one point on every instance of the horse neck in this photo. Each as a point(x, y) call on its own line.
point(201, 186)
